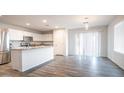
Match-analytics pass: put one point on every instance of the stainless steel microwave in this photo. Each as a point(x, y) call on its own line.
point(27, 38)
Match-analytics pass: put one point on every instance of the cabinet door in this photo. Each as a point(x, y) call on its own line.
point(37, 37)
point(27, 34)
point(34, 37)
point(15, 34)
point(47, 37)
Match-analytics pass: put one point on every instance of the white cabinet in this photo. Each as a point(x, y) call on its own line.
point(18, 35)
point(60, 39)
point(47, 37)
point(37, 37)
point(50, 37)
point(25, 59)
point(15, 34)
point(27, 33)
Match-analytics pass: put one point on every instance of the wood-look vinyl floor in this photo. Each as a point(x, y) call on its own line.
point(71, 66)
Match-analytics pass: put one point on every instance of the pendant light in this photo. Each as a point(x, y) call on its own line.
point(86, 25)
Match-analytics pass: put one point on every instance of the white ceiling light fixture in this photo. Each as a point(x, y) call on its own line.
point(44, 21)
point(86, 23)
point(28, 24)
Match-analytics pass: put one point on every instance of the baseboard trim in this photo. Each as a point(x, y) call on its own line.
point(115, 63)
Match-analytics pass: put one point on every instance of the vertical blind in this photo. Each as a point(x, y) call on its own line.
point(88, 43)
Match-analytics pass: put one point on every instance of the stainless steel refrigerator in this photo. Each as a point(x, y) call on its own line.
point(4, 46)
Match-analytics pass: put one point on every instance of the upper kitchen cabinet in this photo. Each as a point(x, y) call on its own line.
point(37, 37)
point(15, 34)
point(47, 37)
point(18, 35)
point(27, 33)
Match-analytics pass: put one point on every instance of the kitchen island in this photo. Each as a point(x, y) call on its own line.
point(23, 59)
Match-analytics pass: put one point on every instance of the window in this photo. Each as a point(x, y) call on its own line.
point(119, 37)
point(88, 43)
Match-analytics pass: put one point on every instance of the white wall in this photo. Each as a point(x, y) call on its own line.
point(119, 37)
point(71, 42)
point(116, 57)
point(60, 38)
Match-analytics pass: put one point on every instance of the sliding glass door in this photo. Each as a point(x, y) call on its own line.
point(88, 43)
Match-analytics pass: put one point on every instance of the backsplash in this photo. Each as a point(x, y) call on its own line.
point(18, 43)
point(15, 44)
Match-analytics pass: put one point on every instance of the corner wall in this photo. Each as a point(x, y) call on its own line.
point(116, 57)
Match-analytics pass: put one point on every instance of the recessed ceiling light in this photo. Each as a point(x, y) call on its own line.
point(44, 21)
point(28, 24)
point(56, 27)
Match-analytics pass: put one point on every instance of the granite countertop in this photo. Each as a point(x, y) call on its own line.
point(27, 48)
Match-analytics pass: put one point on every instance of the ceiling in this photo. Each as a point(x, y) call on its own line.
point(62, 21)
